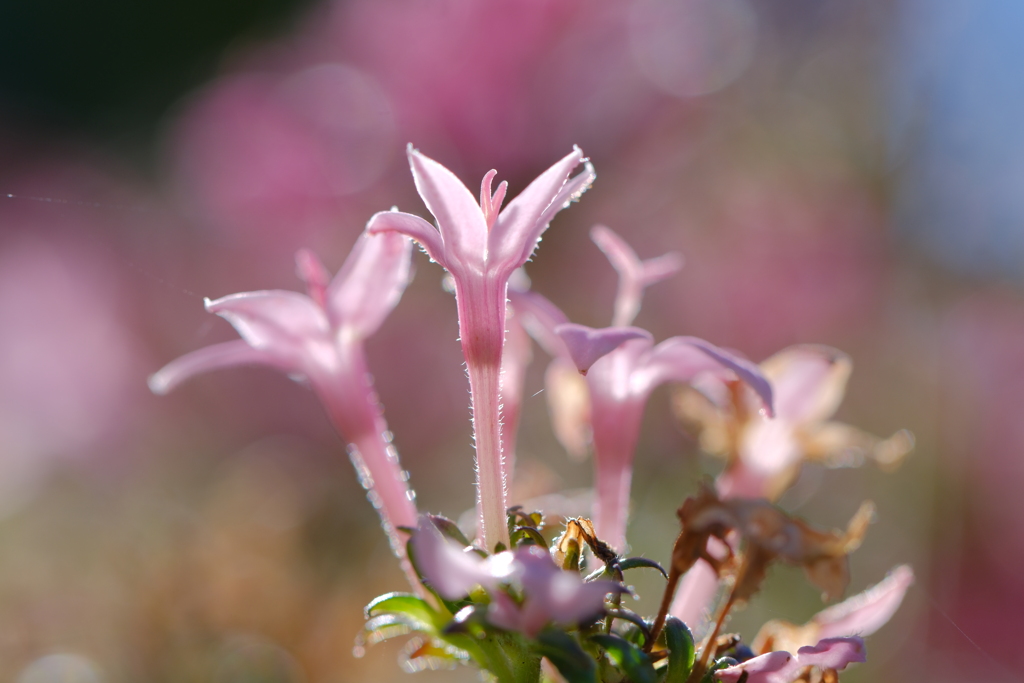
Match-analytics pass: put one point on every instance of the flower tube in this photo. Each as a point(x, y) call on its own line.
point(481, 245)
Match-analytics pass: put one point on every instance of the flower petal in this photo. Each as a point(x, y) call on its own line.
point(540, 317)
point(556, 595)
point(868, 611)
point(413, 226)
point(276, 321)
point(228, 354)
point(459, 218)
point(833, 653)
point(782, 667)
point(809, 382)
point(769, 668)
point(371, 282)
point(679, 359)
point(586, 345)
point(519, 226)
point(572, 190)
point(450, 570)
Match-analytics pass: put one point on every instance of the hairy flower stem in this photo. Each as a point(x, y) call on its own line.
point(482, 332)
point(490, 476)
point(358, 417)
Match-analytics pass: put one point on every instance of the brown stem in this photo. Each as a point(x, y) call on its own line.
point(710, 643)
point(666, 600)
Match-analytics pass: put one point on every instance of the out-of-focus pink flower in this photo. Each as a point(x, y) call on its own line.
point(789, 258)
point(270, 157)
point(514, 112)
point(830, 654)
point(549, 593)
point(481, 246)
point(67, 356)
point(634, 275)
point(319, 338)
point(808, 383)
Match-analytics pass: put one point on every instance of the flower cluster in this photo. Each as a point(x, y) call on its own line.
point(522, 599)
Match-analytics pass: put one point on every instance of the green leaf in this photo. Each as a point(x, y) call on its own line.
point(565, 653)
point(381, 628)
point(630, 659)
point(421, 654)
point(526, 534)
point(681, 650)
point(634, 562)
point(450, 529)
point(412, 609)
point(641, 626)
point(720, 663)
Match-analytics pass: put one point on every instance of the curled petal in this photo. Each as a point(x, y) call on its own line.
point(680, 359)
point(311, 271)
point(809, 382)
point(782, 667)
point(586, 345)
point(459, 217)
point(518, 228)
point(228, 354)
point(833, 653)
point(371, 282)
point(279, 322)
point(415, 227)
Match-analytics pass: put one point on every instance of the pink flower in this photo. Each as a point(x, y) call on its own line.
point(622, 367)
point(549, 593)
point(481, 248)
point(319, 338)
point(830, 654)
point(619, 384)
point(809, 382)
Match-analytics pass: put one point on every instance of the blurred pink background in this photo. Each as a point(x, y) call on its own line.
point(834, 173)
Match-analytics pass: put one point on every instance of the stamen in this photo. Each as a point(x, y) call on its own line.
point(312, 272)
point(485, 197)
